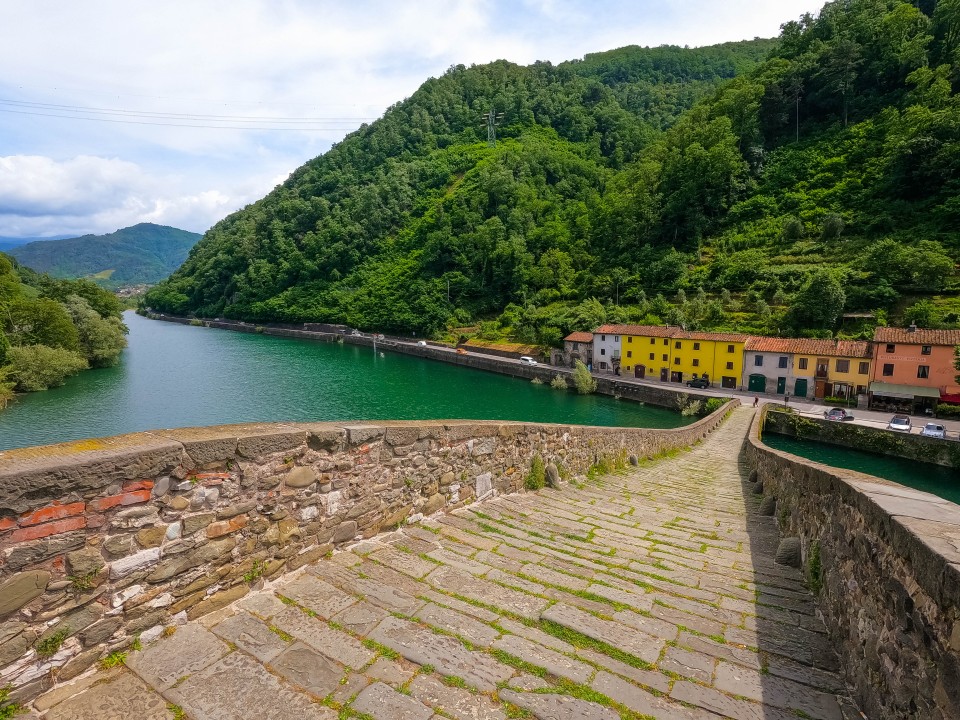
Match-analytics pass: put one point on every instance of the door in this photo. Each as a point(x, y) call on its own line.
point(664, 374)
point(781, 386)
point(676, 377)
point(819, 389)
point(640, 371)
point(800, 389)
point(758, 383)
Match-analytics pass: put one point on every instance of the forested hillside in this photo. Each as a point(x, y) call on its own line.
point(140, 254)
point(51, 329)
point(633, 185)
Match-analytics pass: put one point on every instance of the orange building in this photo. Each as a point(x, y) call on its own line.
point(913, 367)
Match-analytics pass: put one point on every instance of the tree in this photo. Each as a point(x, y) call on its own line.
point(41, 322)
point(819, 302)
point(582, 379)
point(38, 367)
point(101, 339)
point(922, 314)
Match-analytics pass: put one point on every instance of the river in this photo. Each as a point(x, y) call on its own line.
point(179, 376)
point(934, 479)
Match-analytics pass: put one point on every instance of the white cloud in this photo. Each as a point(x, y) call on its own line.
point(39, 195)
point(341, 61)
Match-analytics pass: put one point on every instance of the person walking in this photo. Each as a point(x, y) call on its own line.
point(756, 401)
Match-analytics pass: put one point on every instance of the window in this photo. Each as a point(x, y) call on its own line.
point(923, 372)
point(729, 348)
point(696, 346)
point(758, 360)
point(651, 356)
point(666, 342)
point(616, 338)
point(891, 347)
point(925, 350)
point(843, 366)
point(603, 351)
point(653, 340)
point(729, 366)
point(696, 363)
point(888, 370)
point(629, 353)
point(603, 337)
point(630, 340)
point(665, 358)
point(782, 362)
point(864, 368)
point(802, 364)
point(678, 344)
point(676, 361)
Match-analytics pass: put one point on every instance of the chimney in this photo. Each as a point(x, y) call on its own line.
point(912, 328)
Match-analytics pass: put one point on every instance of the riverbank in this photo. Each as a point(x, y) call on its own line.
point(670, 397)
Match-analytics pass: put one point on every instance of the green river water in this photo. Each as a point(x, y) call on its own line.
point(935, 479)
point(178, 376)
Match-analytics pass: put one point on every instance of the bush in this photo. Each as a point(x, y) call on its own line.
point(8, 708)
point(537, 477)
point(583, 380)
point(38, 367)
point(712, 405)
point(948, 411)
point(559, 382)
point(692, 408)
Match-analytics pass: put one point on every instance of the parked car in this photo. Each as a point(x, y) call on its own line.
point(527, 360)
point(700, 382)
point(838, 414)
point(422, 343)
point(934, 430)
point(900, 423)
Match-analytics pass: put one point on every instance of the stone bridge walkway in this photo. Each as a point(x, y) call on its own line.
point(647, 594)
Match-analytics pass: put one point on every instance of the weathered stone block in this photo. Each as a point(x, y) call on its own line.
point(81, 563)
point(217, 601)
point(553, 476)
point(21, 589)
point(347, 530)
point(300, 477)
point(236, 509)
point(132, 563)
point(193, 523)
point(434, 503)
point(151, 537)
point(36, 551)
point(789, 552)
point(267, 443)
point(225, 527)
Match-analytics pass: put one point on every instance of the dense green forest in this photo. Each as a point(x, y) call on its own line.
point(766, 186)
point(51, 329)
point(140, 254)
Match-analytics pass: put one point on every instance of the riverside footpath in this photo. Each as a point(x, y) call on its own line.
point(647, 593)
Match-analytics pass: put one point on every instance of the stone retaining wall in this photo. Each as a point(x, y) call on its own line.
point(862, 437)
point(885, 561)
point(102, 540)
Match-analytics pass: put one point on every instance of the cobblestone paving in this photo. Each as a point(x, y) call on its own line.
point(651, 593)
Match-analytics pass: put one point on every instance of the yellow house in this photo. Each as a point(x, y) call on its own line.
point(669, 353)
point(719, 356)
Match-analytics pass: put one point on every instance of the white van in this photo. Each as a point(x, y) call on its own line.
point(527, 360)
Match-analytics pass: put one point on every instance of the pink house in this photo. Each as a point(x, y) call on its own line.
point(913, 366)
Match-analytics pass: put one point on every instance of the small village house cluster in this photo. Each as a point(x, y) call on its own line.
point(901, 369)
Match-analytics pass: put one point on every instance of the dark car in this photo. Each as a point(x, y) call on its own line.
point(699, 383)
point(837, 414)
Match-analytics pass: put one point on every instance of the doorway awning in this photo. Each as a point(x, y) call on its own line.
point(905, 392)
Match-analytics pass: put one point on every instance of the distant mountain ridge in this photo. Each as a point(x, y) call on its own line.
point(141, 254)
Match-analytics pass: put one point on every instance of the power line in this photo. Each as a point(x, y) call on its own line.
point(493, 119)
point(175, 116)
point(172, 124)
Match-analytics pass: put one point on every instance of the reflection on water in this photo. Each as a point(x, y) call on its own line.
point(935, 479)
point(177, 375)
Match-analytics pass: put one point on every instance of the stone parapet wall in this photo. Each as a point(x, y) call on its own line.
point(885, 563)
point(862, 437)
point(102, 540)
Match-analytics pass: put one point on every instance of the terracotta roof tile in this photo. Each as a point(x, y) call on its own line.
point(715, 336)
point(810, 346)
point(920, 336)
point(583, 337)
point(645, 330)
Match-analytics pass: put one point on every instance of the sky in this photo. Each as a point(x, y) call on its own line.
point(114, 112)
